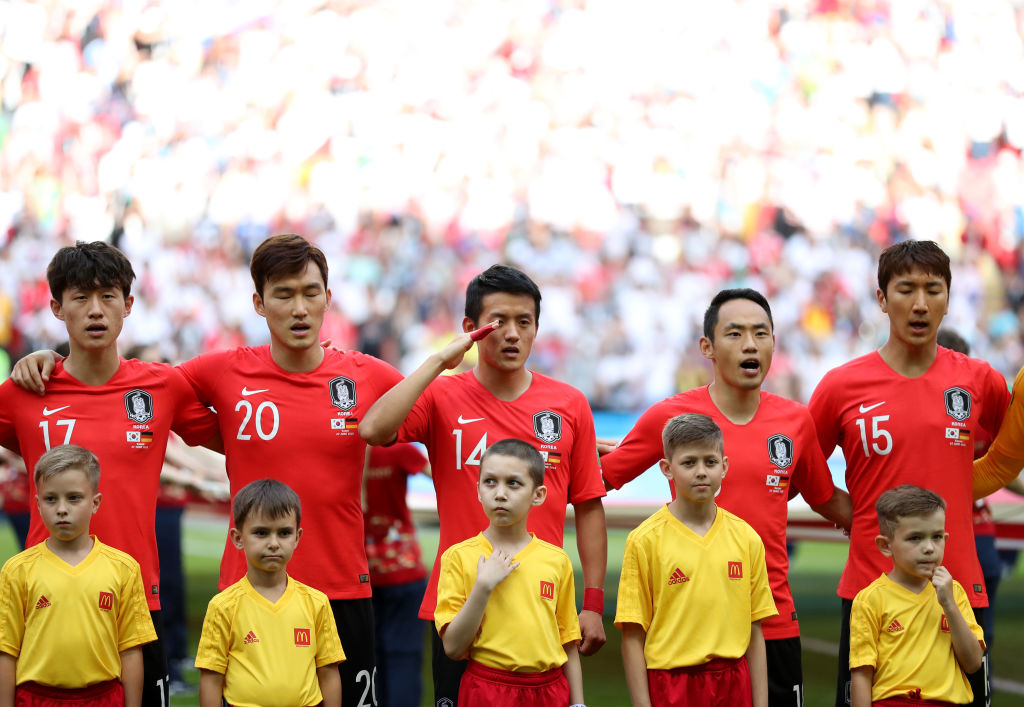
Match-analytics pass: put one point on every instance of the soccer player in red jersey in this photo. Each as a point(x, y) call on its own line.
point(122, 410)
point(773, 455)
point(458, 416)
point(909, 413)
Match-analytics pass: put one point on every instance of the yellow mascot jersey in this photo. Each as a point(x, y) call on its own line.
point(529, 616)
point(269, 652)
point(673, 580)
point(66, 625)
point(904, 637)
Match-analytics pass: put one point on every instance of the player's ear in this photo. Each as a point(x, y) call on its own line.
point(468, 325)
point(236, 537)
point(707, 348)
point(539, 494)
point(881, 300)
point(57, 310)
point(257, 304)
point(666, 468)
point(128, 302)
point(883, 545)
point(328, 302)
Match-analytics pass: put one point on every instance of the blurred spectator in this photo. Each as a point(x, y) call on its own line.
point(633, 157)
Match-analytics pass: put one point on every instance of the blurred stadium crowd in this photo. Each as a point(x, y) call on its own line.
point(633, 157)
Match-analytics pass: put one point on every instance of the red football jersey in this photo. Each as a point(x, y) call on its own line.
point(896, 430)
point(392, 550)
point(125, 423)
point(301, 429)
point(457, 418)
point(770, 454)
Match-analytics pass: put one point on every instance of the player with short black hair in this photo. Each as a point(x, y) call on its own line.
point(909, 412)
point(773, 455)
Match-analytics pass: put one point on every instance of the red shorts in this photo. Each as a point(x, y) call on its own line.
point(102, 694)
point(911, 702)
point(721, 682)
point(483, 686)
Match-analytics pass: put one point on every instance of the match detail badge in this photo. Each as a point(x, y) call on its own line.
point(343, 393)
point(780, 450)
point(958, 403)
point(139, 406)
point(547, 426)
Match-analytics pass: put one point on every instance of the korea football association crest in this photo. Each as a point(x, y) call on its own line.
point(139, 406)
point(958, 403)
point(547, 426)
point(780, 450)
point(343, 393)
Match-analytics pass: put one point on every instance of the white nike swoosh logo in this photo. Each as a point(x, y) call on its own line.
point(246, 391)
point(472, 419)
point(47, 412)
point(865, 408)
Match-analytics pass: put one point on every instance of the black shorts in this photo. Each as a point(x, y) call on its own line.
point(354, 619)
point(785, 672)
point(981, 680)
point(447, 673)
point(155, 688)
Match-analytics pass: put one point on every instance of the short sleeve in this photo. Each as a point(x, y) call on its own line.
point(640, 450)
point(215, 640)
point(328, 643)
point(452, 590)
point(635, 600)
point(864, 623)
point(416, 427)
point(762, 605)
point(193, 422)
point(585, 482)
point(12, 609)
point(1005, 457)
point(964, 604)
point(812, 477)
point(568, 620)
point(822, 410)
point(134, 623)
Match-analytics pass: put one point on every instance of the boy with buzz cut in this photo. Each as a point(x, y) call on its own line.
point(73, 611)
point(913, 635)
point(268, 639)
point(684, 563)
point(506, 598)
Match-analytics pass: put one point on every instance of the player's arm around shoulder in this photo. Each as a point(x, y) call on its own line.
point(1005, 456)
point(967, 647)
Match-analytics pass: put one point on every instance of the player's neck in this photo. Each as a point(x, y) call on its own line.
point(269, 585)
point(738, 404)
point(908, 581)
point(92, 367)
point(909, 361)
point(296, 360)
point(71, 551)
point(504, 385)
point(698, 517)
point(510, 538)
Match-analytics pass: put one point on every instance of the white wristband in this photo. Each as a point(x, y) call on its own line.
point(578, 704)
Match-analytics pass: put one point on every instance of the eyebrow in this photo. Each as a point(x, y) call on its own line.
point(737, 325)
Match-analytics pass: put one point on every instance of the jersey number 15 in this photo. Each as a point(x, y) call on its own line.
point(877, 433)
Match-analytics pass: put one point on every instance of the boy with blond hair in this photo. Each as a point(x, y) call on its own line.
point(913, 635)
point(71, 579)
point(506, 598)
point(268, 639)
point(690, 560)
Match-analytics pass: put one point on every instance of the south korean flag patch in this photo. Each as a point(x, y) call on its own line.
point(780, 451)
point(547, 426)
point(958, 403)
point(138, 404)
point(343, 393)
